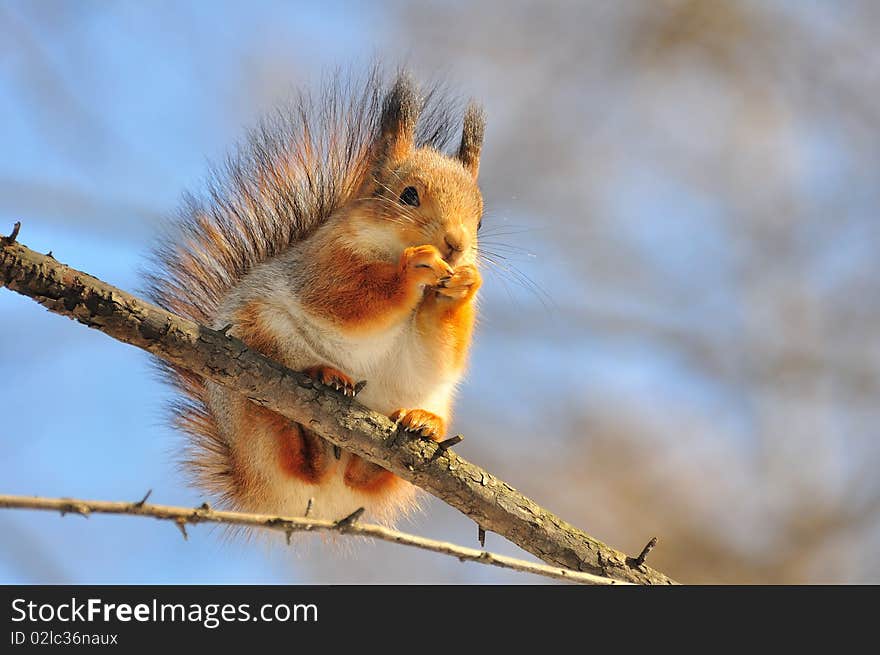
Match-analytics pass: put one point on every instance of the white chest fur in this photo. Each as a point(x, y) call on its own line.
point(397, 363)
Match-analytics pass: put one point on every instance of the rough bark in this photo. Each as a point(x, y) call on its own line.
point(490, 502)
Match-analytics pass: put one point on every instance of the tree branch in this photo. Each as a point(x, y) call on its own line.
point(490, 502)
point(183, 516)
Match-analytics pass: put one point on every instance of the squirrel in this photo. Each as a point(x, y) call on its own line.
point(340, 240)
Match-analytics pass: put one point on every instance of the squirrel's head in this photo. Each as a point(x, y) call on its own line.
point(423, 195)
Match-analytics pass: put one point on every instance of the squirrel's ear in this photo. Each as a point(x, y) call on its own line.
point(400, 113)
point(472, 138)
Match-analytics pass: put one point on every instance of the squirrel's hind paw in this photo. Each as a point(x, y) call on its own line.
point(421, 422)
point(335, 379)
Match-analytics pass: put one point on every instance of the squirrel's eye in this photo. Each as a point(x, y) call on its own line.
point(410, 196)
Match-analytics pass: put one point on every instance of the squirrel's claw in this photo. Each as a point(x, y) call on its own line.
point(335, 379)
point(420, 422)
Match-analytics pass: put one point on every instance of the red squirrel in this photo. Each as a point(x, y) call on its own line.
point(340, 241)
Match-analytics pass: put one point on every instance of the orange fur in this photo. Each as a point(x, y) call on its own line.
point(366, 296)
point(303, 454)
point(446, 317)
point(369, 478)
point(356, 293)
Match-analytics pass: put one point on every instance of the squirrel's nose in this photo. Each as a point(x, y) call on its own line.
point(454, 245)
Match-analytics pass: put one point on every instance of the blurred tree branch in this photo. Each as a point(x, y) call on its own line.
point(183, 516)
point(492, 503)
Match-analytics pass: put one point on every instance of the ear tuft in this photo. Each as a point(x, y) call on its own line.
point(472, 138)
point(400, 113)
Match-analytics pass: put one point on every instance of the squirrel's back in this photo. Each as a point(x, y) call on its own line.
point(325, 172)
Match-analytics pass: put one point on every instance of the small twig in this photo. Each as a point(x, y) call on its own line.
point(141, 502)
point(13, 236)
point(638, 561)
point(350, 520)
point(181, 524)
point(288, 525)
point(73, 507)
point(446, 444)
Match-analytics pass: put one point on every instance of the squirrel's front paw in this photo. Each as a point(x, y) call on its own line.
point(421, 422)
point(424, 265)
point(462, 284)
point(331, 377)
